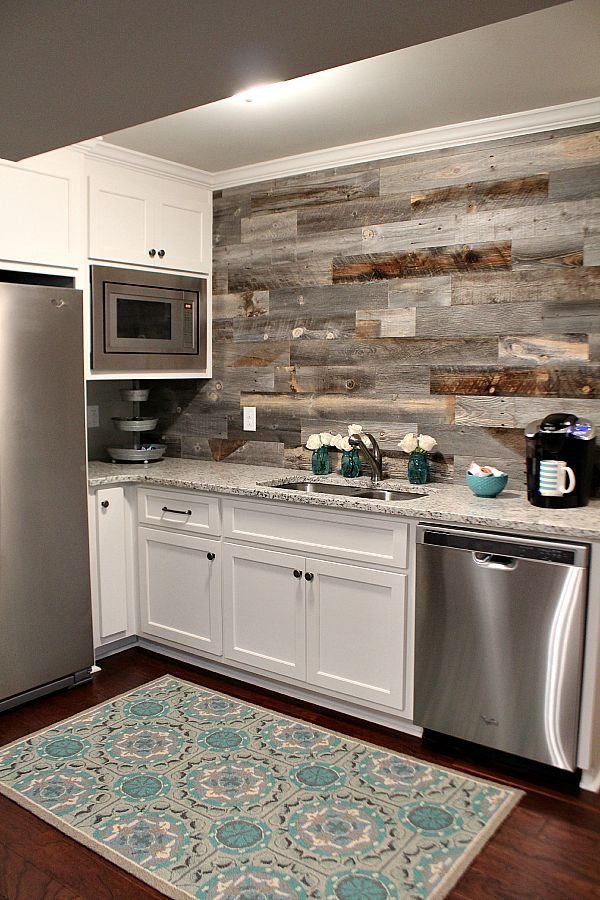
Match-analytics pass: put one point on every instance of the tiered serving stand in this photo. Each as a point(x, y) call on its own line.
point(137, 424)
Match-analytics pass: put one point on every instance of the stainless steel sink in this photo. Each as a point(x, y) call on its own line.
point(382, 494)
point(317, 487)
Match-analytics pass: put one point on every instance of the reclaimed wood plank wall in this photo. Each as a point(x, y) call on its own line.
point(456, 292)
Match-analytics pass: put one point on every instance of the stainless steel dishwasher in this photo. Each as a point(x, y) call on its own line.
point(499, 640)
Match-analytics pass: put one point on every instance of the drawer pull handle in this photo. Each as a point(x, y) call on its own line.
point(105, 504)
point(297, 573)
point(210, 556)
point(309, 576)
point(180, 512)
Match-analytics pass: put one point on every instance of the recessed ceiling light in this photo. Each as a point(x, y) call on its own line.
point(262, 92)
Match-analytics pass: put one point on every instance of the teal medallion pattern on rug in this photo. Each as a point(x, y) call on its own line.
point(204, 796)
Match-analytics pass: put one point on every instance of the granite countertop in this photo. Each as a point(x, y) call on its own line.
point(442, 503)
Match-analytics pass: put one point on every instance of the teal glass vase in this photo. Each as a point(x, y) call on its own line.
point(418, 467)
point(320, 461)
point(350, 463)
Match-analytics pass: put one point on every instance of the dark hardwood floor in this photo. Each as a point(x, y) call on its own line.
point(548, 849)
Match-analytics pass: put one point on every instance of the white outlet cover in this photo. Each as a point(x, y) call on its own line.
point(93, 417)
point(249, 418)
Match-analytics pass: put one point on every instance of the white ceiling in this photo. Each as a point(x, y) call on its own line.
point(542, 59)
point(75, 69)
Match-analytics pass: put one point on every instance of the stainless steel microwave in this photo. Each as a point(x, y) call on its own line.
point(147, 321)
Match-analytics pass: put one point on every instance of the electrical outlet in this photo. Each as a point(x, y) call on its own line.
point(93, 417)
point(249, 418)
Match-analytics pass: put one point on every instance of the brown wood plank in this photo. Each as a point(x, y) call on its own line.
point(422, 263)
point(339, 406)
point(543, 349)
point(351, 213)
point(386, 351)
point(479, 196)
point(538, 382)
point(250, 355)
point(317, 189)
point(487, 411)
point(352, 380)
point(526, 286)
point(234, 450)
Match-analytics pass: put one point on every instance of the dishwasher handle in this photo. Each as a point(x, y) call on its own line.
point(494, 561)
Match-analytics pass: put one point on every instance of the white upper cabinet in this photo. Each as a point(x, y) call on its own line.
point(148, 220)
point(41, 210)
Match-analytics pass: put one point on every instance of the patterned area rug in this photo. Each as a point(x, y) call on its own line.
point(202, 795)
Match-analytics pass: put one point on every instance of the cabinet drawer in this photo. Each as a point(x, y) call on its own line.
point(184, 511)
point(350, 536)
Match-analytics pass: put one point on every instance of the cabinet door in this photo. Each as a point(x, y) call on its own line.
point(120, 216)
point(40, 202)
point(356, 633)
point(183, 227)
point(180, 589)
point(263, 611)
point(111, 541)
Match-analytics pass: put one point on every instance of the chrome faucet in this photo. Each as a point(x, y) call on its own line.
point(372, 454)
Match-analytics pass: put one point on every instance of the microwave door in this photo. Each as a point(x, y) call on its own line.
point(136, 324)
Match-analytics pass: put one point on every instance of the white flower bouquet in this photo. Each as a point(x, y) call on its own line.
point(417, 446)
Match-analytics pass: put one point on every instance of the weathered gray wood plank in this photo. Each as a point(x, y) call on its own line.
point(543, 350)
point(248, 453)
point(527, 285)
point(385, 323)
point(321, 301)
point(318, 189)
point(245, 305)
point(432, 261)
point(553, 252)
point(412, 234)
point(413, 292)
point(339, 406)
point(575, 184)
point(591, 247)
point(270, 227)
point(478, 196)
point(561, 317)
point(491, 412)
point(364, 382)
point(293, 327)
point(250, 355)
point(386, 351)
point(352, 213)
point(525, 223)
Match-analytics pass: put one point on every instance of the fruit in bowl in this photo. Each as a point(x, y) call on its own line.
point(486, 481)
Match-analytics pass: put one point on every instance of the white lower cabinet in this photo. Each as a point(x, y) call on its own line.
point(180, 589)
point(356, 631)
point(332, 625)
point(110, 538)
point(264, 609)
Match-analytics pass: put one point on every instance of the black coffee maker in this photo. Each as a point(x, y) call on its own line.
point(560, 460)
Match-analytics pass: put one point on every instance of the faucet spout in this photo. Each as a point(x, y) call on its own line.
point(371, 453)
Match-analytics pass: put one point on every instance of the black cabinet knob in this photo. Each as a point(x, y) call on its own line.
point(309, 576)
point(105, 504)
point(161, 253)
point(152, 252)
point(210, 556)
point(297, 573)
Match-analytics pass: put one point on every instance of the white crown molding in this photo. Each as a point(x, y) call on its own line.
point(107, 152)
point(567, 115)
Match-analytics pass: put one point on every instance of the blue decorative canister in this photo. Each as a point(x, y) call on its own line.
point(320, 461)
point(350, 463)
point(418, 467)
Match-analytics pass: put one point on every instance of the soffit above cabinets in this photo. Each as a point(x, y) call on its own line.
point(69, 71)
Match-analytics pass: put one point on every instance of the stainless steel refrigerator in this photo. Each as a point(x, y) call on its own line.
point(45, 611)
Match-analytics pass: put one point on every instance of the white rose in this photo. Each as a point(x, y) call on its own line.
point(345, 444)
point(409, 443)
point(354, 429)
point(326, 438)
point(337, 441)
point(314, 442)
point(426, 442)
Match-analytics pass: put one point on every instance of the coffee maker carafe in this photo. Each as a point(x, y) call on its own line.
point(560, 459)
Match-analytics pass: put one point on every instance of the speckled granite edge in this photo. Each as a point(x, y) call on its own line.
point(454, 504)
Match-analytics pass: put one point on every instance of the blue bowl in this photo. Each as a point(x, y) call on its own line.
point(487, 485)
